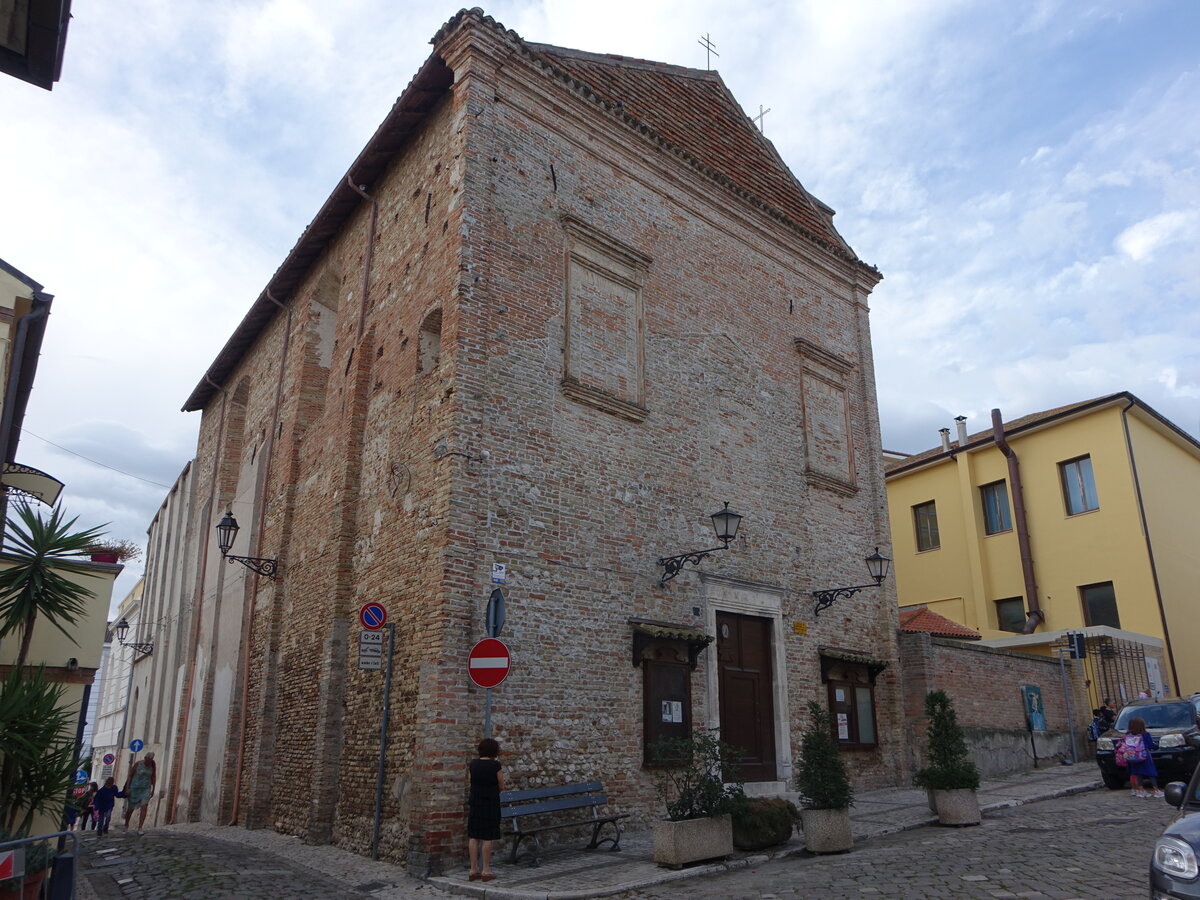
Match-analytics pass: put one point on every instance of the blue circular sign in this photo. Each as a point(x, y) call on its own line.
point(136, 746)
point(81, 776)
point(372, 615)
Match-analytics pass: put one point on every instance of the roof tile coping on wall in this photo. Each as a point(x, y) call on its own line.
point(801, 212)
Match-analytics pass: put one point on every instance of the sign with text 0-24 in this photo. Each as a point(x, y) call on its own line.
point(370, 650)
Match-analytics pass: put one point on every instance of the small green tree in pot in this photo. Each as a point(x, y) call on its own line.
point(826, 793)
point(692, 786)
point(949, 772)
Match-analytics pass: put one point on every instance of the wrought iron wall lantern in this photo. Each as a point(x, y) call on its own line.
point(877, 568)
point(725, 524)
point(227, 530)
point(122, 630)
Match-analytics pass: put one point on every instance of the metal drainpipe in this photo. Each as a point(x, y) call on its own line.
point(1035, 616)
point(362, 306)
point(186, 698)
point(1137, 487)
point(262, 512)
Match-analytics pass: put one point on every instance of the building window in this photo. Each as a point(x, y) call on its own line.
point(1100, 605)
point(1079, 485)
point(1010, 614)
point(853, 707)
point(925, 517)
point(996, 517)
point(666, 705)
point(429, 352)
point(850, 679)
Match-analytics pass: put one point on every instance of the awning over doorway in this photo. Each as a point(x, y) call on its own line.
point(832, 655)
point(30, 482)
point(647, 631)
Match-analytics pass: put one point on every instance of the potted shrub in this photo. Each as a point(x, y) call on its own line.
point(761, 822)
point(826, 794)
point(114, 551)
point(949, 772)
point(697, 798)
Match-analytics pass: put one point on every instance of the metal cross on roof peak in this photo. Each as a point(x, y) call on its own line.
point(759, 118)
point(710, 49)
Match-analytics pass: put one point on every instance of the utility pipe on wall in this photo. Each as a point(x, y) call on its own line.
point(1035, 615)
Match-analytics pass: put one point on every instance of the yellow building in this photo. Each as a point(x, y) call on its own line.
point(1080, 518)
point(71, 659)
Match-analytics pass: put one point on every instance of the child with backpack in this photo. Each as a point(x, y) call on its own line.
point(1133, 752)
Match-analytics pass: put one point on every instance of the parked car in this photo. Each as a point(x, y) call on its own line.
point(1173, 723)
point(1173, 869)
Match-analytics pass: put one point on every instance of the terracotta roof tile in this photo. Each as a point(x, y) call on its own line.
point(917, 619)
point(693, 110)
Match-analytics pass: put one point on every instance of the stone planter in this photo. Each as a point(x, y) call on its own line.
point(679, 843)
point(826, 830)
point(960, 807)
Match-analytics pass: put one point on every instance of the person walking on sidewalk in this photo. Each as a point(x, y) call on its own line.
point(139, 788)
point(86, 808)
point(104, 801)
point(1143, 774)
point(483, 809)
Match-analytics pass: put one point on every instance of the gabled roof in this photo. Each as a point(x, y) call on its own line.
point(689, 113)
point(1030, 422)
point(693, 112)
point(920, 619)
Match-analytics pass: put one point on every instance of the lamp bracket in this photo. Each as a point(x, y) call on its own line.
point(256, 564)
point(826, 598)
point(672, 565)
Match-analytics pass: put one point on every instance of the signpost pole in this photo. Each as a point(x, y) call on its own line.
point(1062, 669)
point(383, 729)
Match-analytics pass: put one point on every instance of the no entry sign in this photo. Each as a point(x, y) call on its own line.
point(488, 663)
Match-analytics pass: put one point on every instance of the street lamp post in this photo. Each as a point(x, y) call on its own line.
point(725, 523)
point(122, 630)
point(227, 530)
point(877, 568)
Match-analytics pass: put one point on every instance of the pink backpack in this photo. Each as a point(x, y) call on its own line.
point(1131, 749)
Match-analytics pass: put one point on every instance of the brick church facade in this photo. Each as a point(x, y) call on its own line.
point(562, 307)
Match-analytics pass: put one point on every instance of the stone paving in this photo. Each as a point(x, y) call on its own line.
point(215, 863)
point(1045, 849)
point(1080, 847)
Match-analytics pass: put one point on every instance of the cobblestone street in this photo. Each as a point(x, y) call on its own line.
point(183, 863)
point(1086, 846)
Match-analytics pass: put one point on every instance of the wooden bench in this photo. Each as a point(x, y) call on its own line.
point(587, 795)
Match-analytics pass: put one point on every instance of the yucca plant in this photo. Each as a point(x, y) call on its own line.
point(38, 555)
point(37, 749)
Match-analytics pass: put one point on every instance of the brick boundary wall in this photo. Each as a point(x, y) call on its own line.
point(985, 685)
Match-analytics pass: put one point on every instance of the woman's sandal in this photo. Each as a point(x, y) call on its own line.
point(474, 876)
point(489, 876)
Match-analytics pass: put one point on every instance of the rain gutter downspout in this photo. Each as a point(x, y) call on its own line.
point(362, 305)
point(1137, 489)
point(1035, 615)
point(262, 511)
point(186, 699)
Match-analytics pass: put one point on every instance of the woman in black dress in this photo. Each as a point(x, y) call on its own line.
point(483, 815)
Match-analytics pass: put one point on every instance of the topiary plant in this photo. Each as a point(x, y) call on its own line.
point(949, 766)
point(821, 778)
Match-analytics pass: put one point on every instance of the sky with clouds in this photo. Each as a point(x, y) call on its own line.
point(1025, 173)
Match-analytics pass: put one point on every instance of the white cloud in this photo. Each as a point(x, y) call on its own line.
point(1141, 240)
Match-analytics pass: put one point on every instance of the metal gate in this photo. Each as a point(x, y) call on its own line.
point(1113, 669)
